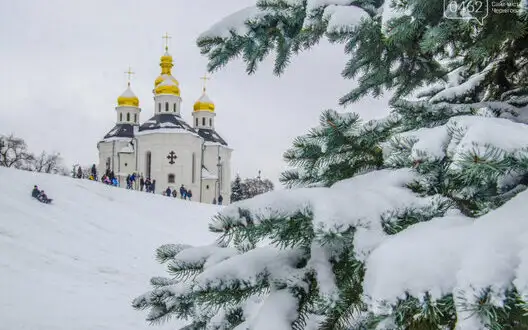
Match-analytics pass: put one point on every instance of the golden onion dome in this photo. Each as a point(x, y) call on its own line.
point(167, 86)
point(162, 77)
point(204, 103)
point(128, 98)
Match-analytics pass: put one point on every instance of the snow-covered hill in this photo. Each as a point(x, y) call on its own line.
point(78, 263)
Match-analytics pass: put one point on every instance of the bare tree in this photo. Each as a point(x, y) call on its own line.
point(47, 163)
point(13, 152)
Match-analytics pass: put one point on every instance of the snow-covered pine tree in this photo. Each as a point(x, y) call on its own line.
point(236, 190)
point(423, 226)
point(256, 186)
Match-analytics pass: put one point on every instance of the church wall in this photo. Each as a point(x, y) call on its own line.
point(128, 115)
point(208, 191)
point(126, 166)
point(211, 154)
point(172, 101)
point(160, 145)
point(203, 119)
point(108, 150)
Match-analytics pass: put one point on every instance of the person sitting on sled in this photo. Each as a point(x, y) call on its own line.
point(40, 195)
point(35, 193)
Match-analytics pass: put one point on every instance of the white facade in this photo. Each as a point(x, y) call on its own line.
point(165, 148)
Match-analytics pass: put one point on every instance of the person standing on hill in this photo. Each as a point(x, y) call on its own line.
point(141, 183)
point(94, 172)
point(153, 186)
point(183, 192)
point(168, 192)
point(147, 185)
point(220, 200)
point(79, 173)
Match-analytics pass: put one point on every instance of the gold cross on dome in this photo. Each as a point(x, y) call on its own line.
point(204, 78)
point(129, 73)
point(166, 37)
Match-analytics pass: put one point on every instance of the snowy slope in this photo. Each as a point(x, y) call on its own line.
point(78, 263)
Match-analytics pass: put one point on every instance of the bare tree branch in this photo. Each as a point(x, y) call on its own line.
point(13, 152)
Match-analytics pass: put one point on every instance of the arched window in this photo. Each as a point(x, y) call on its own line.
point(174, 107)
point(210, 122)
point(166, 106)
point(159, 107)
point(121, 116)
point(196, 121)
point(171, 178)
point(148, 164)
point(203, 121)
point(128, 116)
point(135, 118)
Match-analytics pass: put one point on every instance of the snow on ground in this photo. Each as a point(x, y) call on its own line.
point(79, 262)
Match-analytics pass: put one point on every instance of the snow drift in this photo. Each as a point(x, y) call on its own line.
point(78, 263)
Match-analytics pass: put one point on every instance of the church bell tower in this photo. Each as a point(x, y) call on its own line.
point(128, 105)
point(203, 114)
point(166, 88)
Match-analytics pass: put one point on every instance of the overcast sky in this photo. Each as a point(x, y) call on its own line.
point(62, 65)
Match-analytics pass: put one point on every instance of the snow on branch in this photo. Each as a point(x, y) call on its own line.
point(359, 202)
point(235, 23)
point(339, 15)
point(453, 255)
point(463, 135)
point(247, 269)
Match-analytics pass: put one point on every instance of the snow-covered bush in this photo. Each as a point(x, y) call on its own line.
point(415, 221)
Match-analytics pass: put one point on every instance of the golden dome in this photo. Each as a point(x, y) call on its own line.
point(128, 99)
point(168, 86)
point(162, 77)
point(204, 103)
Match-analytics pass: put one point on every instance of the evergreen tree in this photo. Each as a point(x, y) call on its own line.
point(236, 190)
point(252, 187)
point(381, 236)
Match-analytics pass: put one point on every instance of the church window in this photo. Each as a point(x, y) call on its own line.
point(135, 118)
point(159, 107)
point(148, 163)
point(193, 165)
point(128, 116)
point(207, 187)
point(166, 106)
point(174, 107)
point(203, 121)
point(172, 178)
point(126, 164)
point(196, 122)
point(210, 122)
point(121, 116)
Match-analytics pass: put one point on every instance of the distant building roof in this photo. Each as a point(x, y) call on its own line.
point(210, 135)
point(166, 121)
point(121, 131)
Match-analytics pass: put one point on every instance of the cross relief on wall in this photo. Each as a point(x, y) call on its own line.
point(171, 157)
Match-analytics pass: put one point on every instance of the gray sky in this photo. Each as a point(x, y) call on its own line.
point(62, 65)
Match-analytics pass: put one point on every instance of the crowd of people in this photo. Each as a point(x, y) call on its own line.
point(184, 193)
point(145, 184)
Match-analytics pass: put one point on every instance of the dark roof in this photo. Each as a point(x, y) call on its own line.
point(210, 135)
point(121, 131)
point(165, 120)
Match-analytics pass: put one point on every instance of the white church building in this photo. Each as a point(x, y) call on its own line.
point(166, 148)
